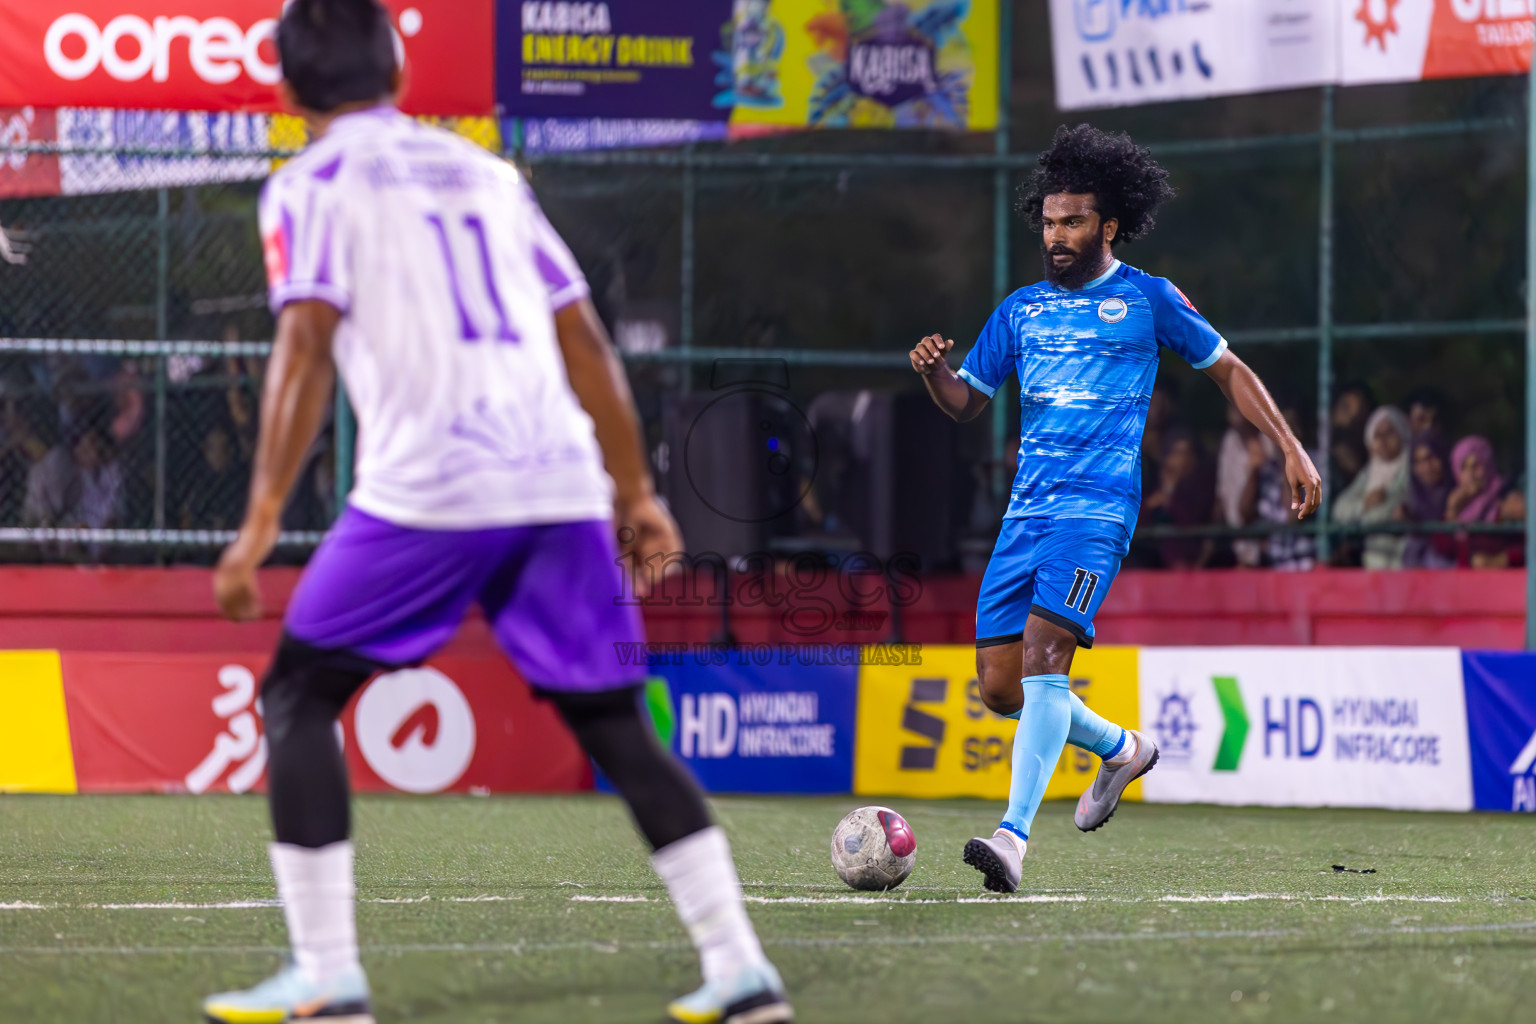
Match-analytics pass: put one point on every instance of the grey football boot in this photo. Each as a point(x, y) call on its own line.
point(998, 860)
point(1098, 804)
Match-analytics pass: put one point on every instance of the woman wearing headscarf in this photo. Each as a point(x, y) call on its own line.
point(1479, 488)
point(1379, 489)
point(1429, 485)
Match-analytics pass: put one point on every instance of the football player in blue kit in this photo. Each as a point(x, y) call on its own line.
point(1084, 343)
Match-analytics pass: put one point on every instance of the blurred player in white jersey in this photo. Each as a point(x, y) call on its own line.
point(497, 446)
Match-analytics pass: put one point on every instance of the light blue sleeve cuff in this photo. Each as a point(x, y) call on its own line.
point(1210, 360)
point(971, 379)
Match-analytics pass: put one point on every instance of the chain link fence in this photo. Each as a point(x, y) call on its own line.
point(1365, 242)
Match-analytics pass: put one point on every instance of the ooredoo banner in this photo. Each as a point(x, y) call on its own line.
point(192, 723)
point(1308, 727)
point(924, 731)
point(220, 55)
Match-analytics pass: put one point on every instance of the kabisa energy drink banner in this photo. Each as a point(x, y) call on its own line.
point(785, 63)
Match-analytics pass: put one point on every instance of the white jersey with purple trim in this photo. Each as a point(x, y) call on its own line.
point(447, 277)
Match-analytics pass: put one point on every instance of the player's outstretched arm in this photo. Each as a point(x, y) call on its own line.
point(1244, 390)
point(597, 377)
point(958, 399)
point(294, 400)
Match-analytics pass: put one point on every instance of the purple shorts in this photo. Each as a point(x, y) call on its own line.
point(552, 593)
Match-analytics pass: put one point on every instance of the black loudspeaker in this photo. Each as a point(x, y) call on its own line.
point(740, 461)
point(745, 470)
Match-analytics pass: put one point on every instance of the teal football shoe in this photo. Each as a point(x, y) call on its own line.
point(289, 996)
point(754, 996)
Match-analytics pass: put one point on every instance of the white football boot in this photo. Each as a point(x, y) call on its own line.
point(1097, 805)
point(998, 859)
point(754, 995)
point(290, 996)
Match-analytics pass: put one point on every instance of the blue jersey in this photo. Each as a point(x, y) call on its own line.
point(1086, 360)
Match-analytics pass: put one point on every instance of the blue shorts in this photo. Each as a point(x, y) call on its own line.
point(1058, 569)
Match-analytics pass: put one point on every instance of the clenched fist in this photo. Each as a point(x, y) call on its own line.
point(930, 353)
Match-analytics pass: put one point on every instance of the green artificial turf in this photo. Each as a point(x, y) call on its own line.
point(488, 909)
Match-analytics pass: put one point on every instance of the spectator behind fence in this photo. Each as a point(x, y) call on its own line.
point(79, 483)
point(1479, 490)
point(1243, 453)
point(210, 495)
point(1289, 550)
point(1429, 486)
point(1183, 497)
point(1347, 448)
point(1379, 490)
point(1426, 411)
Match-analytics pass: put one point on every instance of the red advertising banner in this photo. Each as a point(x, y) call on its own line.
point(1471, 38)
point(192, 723)
point(220, 54)
point(28, 174)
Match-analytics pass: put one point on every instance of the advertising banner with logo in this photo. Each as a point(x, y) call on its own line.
point(192, 723)
point(776, 63)
point(924, 731)
point(1411, 40)
point(613, 59)
point(1501, 718)
point(219, 54)
point(875, 64)
point(766, 724)
point(28, 174)
point(1308, 727)
point(1111, 53)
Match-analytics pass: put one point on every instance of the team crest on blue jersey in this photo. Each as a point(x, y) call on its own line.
point(1113, 310)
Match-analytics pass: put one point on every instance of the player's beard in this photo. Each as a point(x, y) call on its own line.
point(1088, 264)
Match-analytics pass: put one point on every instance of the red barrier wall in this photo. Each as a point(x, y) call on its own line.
point(127, 610)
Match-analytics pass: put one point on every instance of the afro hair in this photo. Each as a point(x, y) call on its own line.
point(1126, 182)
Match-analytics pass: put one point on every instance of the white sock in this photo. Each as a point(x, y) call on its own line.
point(699, 874)
point(317, 890)
point(1127, 751)
point(1017, 842)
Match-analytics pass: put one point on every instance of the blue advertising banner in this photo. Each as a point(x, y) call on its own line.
point(611, 59)
point(757, 720)
point(1501, 720)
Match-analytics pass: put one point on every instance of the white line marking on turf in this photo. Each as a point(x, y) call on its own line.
point(245, 904)
point(897, 900)
point(893, 900)
point(821, 942)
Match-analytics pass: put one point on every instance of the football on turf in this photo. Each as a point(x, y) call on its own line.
point(873, 848)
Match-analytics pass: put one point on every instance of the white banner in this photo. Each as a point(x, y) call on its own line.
point(1307, 727)
point(140, 135)
point(1118, 52)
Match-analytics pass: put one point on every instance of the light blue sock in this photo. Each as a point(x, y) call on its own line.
point(1043, 724)
point(1089, 730)
point(1092, 731)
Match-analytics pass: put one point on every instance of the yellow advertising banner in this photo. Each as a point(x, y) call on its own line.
point(923, 730)
point(864, 64)
point(35, 753)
